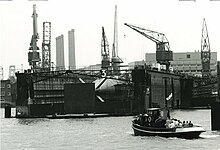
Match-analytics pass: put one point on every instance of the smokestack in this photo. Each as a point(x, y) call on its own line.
point(115, 58)
point(60, 53)
point(71, 40)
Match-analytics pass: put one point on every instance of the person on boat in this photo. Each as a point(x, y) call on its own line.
point(170, 124)
point(176, 122)
point(142, 119)
point(185, 123)
point(146, 122)
point(159, 121)
point(180, 124)
point(190, 124)
point(138, 119)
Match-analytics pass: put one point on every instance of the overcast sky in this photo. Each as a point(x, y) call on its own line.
point(180, 21)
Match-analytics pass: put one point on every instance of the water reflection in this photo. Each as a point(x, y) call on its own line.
point(30, 121)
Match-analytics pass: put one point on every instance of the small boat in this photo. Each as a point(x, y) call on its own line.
point(158, 123)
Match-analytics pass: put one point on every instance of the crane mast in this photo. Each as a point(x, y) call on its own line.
point(33, 55)
point(163, 53)
point(46, 46)
point(105, 51)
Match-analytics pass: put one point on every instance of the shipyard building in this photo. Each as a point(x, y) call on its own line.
point(8, 93)
point(185, 62)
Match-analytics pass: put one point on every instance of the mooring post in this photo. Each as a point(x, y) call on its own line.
point(215, 119)
point(7, 112)
point(215, 108)
point(165, 90)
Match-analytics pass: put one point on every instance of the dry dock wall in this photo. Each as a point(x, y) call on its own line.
point(79, 98)
point(156, 89)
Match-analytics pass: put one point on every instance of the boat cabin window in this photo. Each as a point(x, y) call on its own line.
point(153, 112)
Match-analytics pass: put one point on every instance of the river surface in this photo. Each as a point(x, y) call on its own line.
point(107, 133)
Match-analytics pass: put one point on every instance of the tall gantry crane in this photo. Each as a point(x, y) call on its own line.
point(205, 52)
point(34, 55)
point(105, 51)
point(46, 46)
point(163, 53)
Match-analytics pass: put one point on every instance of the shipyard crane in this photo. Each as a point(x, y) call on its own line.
point(105, 51)
point(205, 52)
point(205, 86)
point(163, 53)
point(34, 55)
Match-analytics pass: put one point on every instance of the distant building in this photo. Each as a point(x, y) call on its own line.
point(8, 92)
point(132, 65)
point(186, 62)
point(92, 67)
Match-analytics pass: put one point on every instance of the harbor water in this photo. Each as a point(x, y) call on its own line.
point(107, 133)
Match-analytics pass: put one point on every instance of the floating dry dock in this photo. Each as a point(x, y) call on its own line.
point(67, 116)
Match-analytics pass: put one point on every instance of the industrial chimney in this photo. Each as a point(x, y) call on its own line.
point(71, 40)
point(60, 53)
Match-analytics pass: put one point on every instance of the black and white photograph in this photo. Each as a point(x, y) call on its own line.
point(109, 74)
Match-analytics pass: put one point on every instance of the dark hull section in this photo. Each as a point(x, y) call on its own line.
point(148, 131)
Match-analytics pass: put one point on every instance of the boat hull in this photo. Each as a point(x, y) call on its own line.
point(187, 133)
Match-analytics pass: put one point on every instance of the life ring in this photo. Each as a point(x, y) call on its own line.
point(149, 119)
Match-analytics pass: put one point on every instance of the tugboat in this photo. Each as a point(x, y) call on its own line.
point(158, 123)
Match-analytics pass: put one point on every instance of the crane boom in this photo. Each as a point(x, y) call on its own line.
point(163, 53)
point(105, 51)
point(35, 35)
point(157, 37)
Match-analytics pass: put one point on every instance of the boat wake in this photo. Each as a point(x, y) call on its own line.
point(207, 136)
